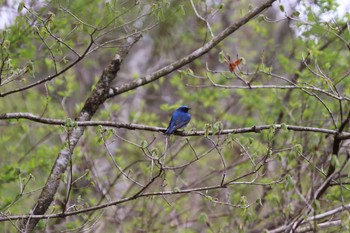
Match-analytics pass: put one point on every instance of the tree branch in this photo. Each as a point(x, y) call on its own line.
point(192, 56)
point(97, 97)
point(329, 213)
point(130, 126)
point(139, 194)
point(44, 80)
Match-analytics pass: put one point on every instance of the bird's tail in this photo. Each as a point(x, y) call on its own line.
point(170, 130)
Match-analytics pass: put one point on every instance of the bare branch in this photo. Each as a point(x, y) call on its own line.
point(253, 129)
point(201, 18)
point(97, 97)
point(303, 88)
point(44, 80)
point(134, 197)
point(321, 216)
point(192, 56)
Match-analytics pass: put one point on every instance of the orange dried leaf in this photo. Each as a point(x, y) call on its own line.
point(234, 64)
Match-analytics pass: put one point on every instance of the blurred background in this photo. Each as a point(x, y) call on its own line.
point(304, 44)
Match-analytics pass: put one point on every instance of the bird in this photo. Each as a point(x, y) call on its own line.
point(179, 119)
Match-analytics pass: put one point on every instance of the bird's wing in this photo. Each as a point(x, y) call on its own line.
point(170, 128)
point(178, 120)
point(181, 121)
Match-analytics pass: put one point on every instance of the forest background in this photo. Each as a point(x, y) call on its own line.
point(87, 89)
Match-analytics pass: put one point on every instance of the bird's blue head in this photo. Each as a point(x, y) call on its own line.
point(183, 108)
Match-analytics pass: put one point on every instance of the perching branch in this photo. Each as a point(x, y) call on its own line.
point(130, 126)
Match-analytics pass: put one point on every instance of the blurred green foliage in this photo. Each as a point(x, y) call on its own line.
point(291, 160)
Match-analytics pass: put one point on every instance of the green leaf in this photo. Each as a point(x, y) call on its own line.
point(335, 161)
point(61, 93)
point(243, 202)
point(48, 62)
point(251, 140)
point(281, 8)
point(298, 149)
point(289, 182)
point(108, 134)
point(181, 9)
point(317, 204)
point(261, 18)
point(35, 30)
point(250, 7)
point(222, 58)
point(18, 171)
point(6, 45)
point(99, 139)
point(43, 32)
point(30, 66)
point(4, 33)
point(258, 202)
point(155, 152)
point(79, 199)
point(70, 123)
point(88, 174)
point(296, 14)
point(279, 156)
point(203, 217)
point(190, 71)
point(100, 131)
point(210, 198)
point(20, 7)
point(144, 144)
point(51, 16)
point(284, 127)
point(217, 127)
point(206, 130)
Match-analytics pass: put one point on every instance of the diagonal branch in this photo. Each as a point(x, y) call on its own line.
point(97, 97)
point(50, 77)
point(137, 195)
point(192, 56)
point(338, 138)
point(302, 66)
